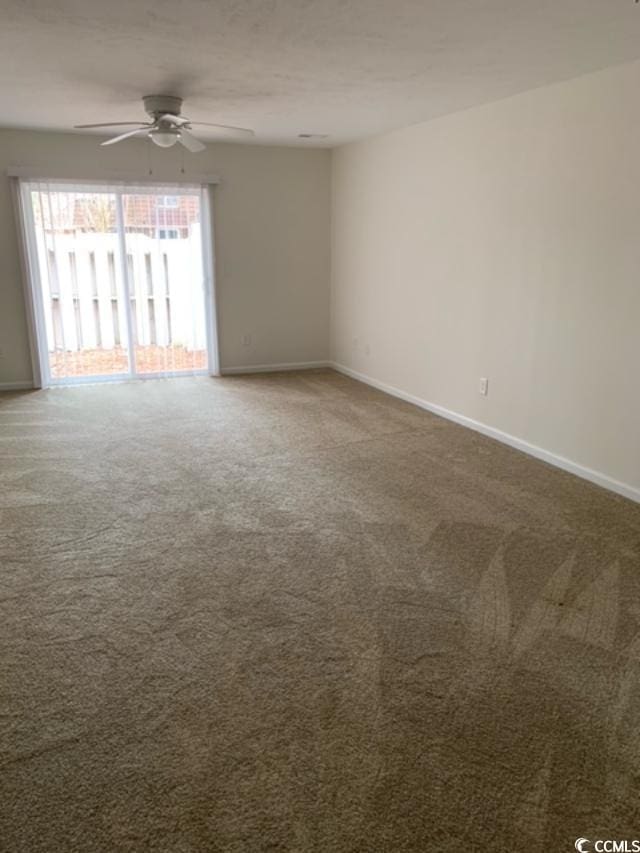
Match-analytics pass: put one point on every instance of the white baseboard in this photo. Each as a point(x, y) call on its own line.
point(596, 477)
point(16, 386)
point(274, 368)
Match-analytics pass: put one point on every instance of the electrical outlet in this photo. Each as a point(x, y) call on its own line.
point(484, 386)
point(246, 340)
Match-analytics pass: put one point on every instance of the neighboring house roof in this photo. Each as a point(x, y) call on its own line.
point(140, 211)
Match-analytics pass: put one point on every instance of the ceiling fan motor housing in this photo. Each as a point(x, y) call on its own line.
point(156, 105)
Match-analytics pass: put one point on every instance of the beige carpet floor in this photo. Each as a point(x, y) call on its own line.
point(290, 613)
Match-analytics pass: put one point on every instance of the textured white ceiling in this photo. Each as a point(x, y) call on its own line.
point(347, 68)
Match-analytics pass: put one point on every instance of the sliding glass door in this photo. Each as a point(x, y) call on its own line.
point(80, 289)
point(163, 247)
point(118, 280)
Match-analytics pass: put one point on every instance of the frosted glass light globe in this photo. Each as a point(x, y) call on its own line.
point(165, 138)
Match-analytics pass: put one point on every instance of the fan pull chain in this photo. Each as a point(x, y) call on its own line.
point(149, 146)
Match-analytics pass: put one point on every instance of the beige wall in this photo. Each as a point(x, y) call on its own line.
point(272, 240)
point(503, 242)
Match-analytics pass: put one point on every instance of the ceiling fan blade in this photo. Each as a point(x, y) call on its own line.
point(109, 124)
point(126, 135)
point(233, 131)
point(189, 141)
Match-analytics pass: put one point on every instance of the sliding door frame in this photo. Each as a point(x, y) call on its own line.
point(26, 232)
point(126, 289)
point(23, 215)
point(208, 242)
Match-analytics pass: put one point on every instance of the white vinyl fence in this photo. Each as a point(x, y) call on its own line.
point(83, 293)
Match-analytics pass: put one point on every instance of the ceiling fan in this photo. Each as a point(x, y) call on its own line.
point(167, 126)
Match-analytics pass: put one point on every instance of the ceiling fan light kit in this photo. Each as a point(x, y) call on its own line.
point(167, 126)
point(164, 138)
